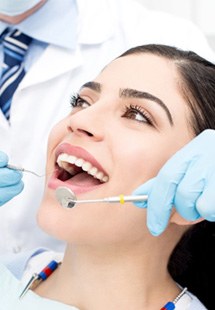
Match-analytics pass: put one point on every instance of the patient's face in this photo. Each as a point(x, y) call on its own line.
point(126, 125)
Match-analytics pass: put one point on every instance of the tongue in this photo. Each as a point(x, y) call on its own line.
point(83, 179)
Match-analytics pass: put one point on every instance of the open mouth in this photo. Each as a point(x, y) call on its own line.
point(77, 171)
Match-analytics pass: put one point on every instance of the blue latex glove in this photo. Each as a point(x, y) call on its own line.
point(10, 181)
point(187, 181)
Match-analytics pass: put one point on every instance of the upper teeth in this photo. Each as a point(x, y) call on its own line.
point(64, 158)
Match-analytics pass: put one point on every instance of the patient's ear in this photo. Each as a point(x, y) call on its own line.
point(179, 220)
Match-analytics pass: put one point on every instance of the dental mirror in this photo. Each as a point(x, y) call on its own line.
point(65, 197)
point(68, 199)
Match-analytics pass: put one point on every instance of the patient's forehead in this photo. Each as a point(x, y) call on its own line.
point(153, 65)
point(143, 71)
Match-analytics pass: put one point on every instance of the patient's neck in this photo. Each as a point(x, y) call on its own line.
point(115, 277)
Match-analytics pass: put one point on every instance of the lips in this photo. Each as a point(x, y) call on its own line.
point(77, 169)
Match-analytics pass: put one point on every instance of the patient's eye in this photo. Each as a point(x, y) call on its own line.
point(77, 102)
point(138, 114)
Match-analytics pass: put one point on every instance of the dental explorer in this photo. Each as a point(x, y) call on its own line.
point(13, 167)
point(68, 199)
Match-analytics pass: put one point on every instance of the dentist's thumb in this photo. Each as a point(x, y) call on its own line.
point(143, 189)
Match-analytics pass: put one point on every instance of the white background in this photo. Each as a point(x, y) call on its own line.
point(201, 12)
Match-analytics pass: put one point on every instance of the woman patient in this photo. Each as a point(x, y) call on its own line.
point(141, 109)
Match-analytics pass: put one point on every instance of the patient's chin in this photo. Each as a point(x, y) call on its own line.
point(179, 220)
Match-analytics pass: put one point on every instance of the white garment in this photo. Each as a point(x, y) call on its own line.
point(106, 29)
point(11, 288)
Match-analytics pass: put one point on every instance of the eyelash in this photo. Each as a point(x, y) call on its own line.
point(77, 102)
point(134, 110)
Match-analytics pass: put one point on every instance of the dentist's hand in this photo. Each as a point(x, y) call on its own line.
point(10, 181)
point(186, 181)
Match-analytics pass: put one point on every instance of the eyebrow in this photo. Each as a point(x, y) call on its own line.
point(93, 85)
point(133, 93)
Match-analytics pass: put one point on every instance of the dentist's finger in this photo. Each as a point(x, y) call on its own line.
point(205, 203)
point(188, 192)
point(159, 208)
point(143, 189)
point(9, 177)
point(9, 192)
point(161, 199)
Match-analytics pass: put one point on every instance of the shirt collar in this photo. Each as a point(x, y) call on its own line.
point(58, 31)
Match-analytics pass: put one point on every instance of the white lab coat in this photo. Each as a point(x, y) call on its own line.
point(106, 28)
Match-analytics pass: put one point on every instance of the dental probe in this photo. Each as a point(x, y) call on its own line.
point(13, 167)
point(68, 199)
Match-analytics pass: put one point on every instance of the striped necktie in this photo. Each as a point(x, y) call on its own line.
point(15, 45)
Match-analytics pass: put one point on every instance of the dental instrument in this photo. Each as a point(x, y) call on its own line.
point(13, 167)
point(37, 278)
point(67, 198)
